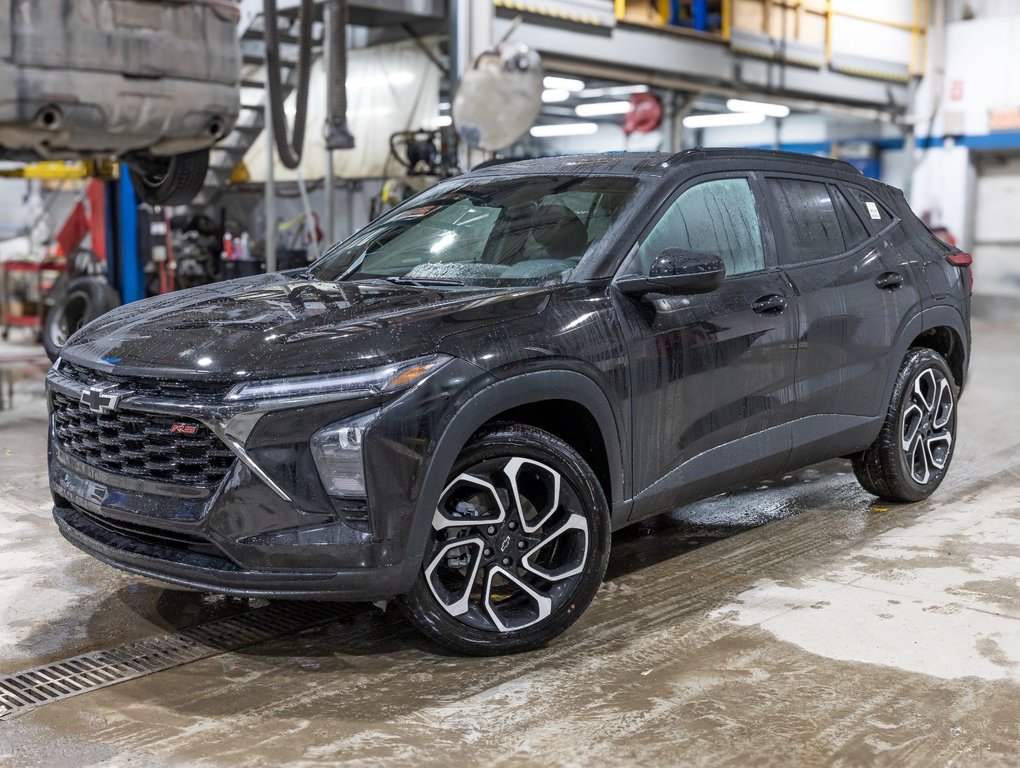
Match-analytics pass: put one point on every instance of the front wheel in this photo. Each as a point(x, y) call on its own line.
point(910, 458)
point(517, 548)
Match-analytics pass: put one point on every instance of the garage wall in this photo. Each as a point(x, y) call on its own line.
point(996, 246)
point(955, 183)
point(796, 129)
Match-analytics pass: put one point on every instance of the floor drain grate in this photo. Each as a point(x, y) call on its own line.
point(33, 688)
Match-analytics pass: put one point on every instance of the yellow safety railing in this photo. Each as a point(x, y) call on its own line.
point(917, 27)
point(57, 170)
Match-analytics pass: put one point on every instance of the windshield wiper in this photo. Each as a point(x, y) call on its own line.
point(424, 282)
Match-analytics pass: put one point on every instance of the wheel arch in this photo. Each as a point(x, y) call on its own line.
point(529, 396)
point(941, 328)
point(948, 342)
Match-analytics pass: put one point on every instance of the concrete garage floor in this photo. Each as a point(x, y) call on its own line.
point(795, 622)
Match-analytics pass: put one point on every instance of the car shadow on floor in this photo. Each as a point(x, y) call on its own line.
point(365, 629)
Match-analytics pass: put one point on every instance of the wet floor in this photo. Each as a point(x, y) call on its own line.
point(793, 622)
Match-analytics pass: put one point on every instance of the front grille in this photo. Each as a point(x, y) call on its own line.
point(149, 387)
point(141, 445)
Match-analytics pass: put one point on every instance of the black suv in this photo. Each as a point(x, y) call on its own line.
point(457, 405)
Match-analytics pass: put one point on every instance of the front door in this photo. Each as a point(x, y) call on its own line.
point(712, 374)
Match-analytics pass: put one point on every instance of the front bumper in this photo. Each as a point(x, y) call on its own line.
point(211, 573)
point(267, 528)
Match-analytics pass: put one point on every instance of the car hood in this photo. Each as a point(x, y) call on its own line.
point(282, 325)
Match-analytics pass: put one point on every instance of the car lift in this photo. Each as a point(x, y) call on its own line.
point(111, 219)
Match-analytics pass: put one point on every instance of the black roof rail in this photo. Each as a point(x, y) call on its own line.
point(778, 153)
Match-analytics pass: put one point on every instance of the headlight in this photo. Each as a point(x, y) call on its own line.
point(337, 450)
point(371, 381)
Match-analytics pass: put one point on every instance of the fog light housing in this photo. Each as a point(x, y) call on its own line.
point(338, 453)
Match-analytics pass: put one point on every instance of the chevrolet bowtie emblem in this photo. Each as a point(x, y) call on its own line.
point(100, 400)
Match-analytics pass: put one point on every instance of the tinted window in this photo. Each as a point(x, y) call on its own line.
point(875, 215)
point(808, 219)
point(853, 230)
point(713, 217)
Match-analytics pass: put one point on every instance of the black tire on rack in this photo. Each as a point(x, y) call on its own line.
point(84, 299)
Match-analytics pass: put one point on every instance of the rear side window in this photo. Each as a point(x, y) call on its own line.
point(717, 216)
point(808, 219)
point(853, 230)
point(875, 215)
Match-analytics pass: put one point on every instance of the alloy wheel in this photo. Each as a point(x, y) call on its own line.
point(509, 544)
point(926, 426)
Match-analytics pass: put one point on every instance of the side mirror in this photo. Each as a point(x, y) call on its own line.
point(678, 271)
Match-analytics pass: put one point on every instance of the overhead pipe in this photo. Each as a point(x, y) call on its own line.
point(289, 147)
point(328, 181)
point(270, 191)
point(338, 135)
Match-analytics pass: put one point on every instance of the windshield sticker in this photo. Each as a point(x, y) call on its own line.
point(873, 210)
point(416, 213)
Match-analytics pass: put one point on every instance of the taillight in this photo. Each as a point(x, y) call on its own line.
point(963, 260)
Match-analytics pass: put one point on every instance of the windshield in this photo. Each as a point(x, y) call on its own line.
point(503, 231)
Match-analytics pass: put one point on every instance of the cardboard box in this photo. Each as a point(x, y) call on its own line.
point(779, 19)
point(644, 12)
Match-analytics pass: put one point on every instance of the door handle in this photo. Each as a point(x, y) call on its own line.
point(769, 305)
point(889, 281)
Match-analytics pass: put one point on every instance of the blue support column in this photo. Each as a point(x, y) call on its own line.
point(699, 13)
point(675, 17)
point(130, 275)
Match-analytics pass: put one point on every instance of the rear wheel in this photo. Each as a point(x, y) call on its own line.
point(517, 548)
point(910, 458)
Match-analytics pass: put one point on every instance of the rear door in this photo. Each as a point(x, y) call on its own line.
point(712, 374)
point(853, 291)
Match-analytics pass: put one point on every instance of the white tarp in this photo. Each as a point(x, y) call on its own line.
point(390, 88)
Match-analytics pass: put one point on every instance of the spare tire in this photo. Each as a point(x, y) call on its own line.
point(84, 299)
point(173, 180)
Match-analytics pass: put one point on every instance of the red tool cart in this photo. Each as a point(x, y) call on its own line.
point(23, 286)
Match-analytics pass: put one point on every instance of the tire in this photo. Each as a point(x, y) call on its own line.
point(83, 300)
point(519, 579)
point(911, 456)
point(173, 180)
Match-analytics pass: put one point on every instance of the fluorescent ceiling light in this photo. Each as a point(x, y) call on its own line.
point(602, 108)
point(724, 119)
point(760, 107)
point(615, 90)
point(564, 83)
point(442, 121)
point(564, 129)
point(444, 106)
point(551, 95)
